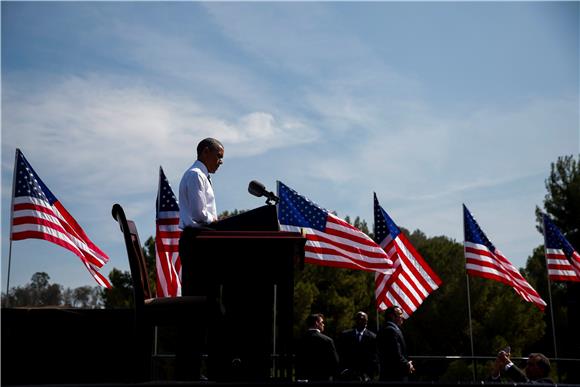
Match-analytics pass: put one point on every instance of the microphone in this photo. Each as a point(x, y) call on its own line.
point(258, 189)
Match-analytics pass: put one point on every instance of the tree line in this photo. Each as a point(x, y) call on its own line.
point(441, 325)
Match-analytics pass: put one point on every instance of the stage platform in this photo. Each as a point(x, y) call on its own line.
point(92, 348)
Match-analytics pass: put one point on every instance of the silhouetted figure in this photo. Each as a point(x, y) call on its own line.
point(395, 366)
point(357, 350)
point(316, 357)
point(537, 369)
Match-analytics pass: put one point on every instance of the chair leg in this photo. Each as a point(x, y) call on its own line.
point(143, 340)
point(189, 352)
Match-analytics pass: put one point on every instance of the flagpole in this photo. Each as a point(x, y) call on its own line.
point(156, 338)
point(550, 291)
point(466, 211)
point(10, 228)
point(470, 327)
point(274, 323)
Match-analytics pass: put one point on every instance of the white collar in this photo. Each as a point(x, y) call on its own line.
point(199, 164)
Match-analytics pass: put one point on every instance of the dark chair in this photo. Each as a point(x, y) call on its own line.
point(188, 314)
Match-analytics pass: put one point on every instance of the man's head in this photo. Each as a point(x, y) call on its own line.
point(537, 366)
point(360, 320)
point(394, 314)
point(211, 153)
point(315, 321)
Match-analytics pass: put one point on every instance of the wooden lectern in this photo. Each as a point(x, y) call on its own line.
point(246, 269)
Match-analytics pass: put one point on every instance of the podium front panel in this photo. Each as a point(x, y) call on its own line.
point(248, 276)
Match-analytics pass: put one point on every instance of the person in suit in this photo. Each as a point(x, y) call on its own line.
point(394, 364)
point(537, 369)
point(357, 350)
point(316, 356)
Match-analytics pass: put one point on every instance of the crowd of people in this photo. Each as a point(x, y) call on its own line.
point(359, 354)
point(362, 355)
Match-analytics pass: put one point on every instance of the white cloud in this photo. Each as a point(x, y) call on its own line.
point(114, 136)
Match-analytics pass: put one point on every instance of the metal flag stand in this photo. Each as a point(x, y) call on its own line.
point(10, 228)
point(549, 289)
point(470, 327)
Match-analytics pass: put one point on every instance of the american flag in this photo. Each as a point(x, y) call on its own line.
point(167, 234)
point(562, 260)
point(413, 280)
point(484, 260)
point(37, 213)
point(330, 241)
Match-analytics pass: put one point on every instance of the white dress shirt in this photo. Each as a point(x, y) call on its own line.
point(196, 198)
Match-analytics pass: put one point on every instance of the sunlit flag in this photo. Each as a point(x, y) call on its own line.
point(38, 214)
point(413, 280)
point(562, 260)
point(484, 260)
point(167, 235)
point(330, 241)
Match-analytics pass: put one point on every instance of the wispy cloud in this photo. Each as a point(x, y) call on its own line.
point(111, 134)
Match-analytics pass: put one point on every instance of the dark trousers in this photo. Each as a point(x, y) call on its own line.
point(204, 336)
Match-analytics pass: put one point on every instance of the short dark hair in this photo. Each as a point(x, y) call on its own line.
point(312, 319)
point(210, 143)
point(542, 361)
point(361, 313)
point(390, 312)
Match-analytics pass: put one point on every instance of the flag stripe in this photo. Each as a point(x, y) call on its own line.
point(29, 210)
point(483, 260)
point(167, 233)
point(562, 261)
point(37, 214)
point(330, 241)
point(413, 280)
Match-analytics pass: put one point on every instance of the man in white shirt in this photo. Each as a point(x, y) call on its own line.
point(197, 206)
point(197, 210)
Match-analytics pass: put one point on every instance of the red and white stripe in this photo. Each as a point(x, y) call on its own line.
point(38, 219)
point(342, 245)
point(482, 262)
point(412, 281)
point(560, 269)
point(167, 258)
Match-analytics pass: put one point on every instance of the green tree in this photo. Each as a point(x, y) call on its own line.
point(150, 260)
point(120, 295)
point(562, 204)
point(562, 201)
point(38, 292)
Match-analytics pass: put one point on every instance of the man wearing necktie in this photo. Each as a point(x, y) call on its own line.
point(357, 348)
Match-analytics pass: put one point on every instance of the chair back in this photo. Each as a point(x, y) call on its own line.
point(137, 263)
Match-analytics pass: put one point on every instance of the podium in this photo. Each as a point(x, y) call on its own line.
point(246, 269)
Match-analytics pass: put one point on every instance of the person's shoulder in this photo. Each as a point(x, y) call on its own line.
point(194, 172)
point(327, 337)
point(370, 334)
point(389, 327)
point(324, 337)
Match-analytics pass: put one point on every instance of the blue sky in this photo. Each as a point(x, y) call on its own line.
point(428, 104)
